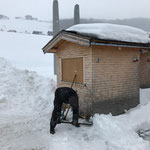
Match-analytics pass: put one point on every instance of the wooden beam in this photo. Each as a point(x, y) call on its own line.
point(65, 36)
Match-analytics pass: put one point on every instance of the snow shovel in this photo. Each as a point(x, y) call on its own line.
point(64, 118)
point(80, 123)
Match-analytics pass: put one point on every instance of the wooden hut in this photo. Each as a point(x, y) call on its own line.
point(107, 71)
point(145, 69)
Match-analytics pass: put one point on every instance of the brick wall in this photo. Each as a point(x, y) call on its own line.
point(145, 70)
point(70, 50)
point(115, 79)
point(111, 78)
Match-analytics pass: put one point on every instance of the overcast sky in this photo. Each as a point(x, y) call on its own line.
point(101, 9)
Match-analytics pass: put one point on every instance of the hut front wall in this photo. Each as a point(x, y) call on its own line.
point(115, 79)
point(145, 70)
point(71, 50)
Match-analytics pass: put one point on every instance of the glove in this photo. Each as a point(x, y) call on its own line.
point(75, 123)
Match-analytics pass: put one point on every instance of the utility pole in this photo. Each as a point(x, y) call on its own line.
point(76, 14)
point(56, 27)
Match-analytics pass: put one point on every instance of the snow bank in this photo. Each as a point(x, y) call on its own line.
point(23, 90)
point(112, 32)
point(25, 109)
point(108, 132)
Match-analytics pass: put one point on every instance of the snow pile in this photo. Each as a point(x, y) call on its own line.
point(112, 32)
point(25, 109)
point(107, 133)
point(23, 91)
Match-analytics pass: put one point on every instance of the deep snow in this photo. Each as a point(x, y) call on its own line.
point(26, 103)
point(25, 26)
point(25, 109)
point(25, 52)
point(20, 90)
point(112, 32)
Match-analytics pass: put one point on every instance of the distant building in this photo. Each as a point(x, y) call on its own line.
point(18, 18)
point(29, 17)
point(37, 32)
point(145, 69)
point(50, 33)
point(11, 31)
point(3, 17)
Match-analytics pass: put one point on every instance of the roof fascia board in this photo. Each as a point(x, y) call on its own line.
point(52, 43)
point(119, 45)
point(81, 40)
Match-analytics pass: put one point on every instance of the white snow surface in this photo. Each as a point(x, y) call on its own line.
point(20, 90)
point(22, 25)
point(26, 103)
point(112, 32)
point(25, 52)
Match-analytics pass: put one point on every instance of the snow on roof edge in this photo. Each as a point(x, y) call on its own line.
point(108, 31)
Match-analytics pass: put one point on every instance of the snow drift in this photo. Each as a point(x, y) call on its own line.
point(23, 90)
point(25, 108)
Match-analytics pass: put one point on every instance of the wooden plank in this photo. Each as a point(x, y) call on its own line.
point(70, 67)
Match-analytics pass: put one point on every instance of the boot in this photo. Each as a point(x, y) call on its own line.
point(75, 123)
point(52, 130)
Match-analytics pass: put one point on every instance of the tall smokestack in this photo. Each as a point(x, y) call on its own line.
point(55, 17)
point(76, 14)
point(55, 26)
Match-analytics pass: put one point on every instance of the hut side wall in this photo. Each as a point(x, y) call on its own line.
point(71, 50)
point(115, 79)
point(145, 70)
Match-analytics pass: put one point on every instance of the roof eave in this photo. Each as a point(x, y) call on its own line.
point(48, 48)
point(87, 41)
point(66, 36)
point(121, 45)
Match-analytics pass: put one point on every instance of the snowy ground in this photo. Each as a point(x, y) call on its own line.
point(22, 25)
point(26, 104)
point(25, 52)
point(25, 108)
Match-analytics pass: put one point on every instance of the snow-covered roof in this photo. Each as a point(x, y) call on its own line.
point(100, 34)
point(112, 32)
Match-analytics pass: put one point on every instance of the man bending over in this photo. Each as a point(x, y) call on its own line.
point(68, 96)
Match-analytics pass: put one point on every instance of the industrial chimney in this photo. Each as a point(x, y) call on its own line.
point(76, 14)
point(56, 27)
point(55, 18)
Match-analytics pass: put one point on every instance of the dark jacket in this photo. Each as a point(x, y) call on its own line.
point(68, 96)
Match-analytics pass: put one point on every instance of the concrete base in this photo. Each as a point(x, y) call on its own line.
point(115, 107)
